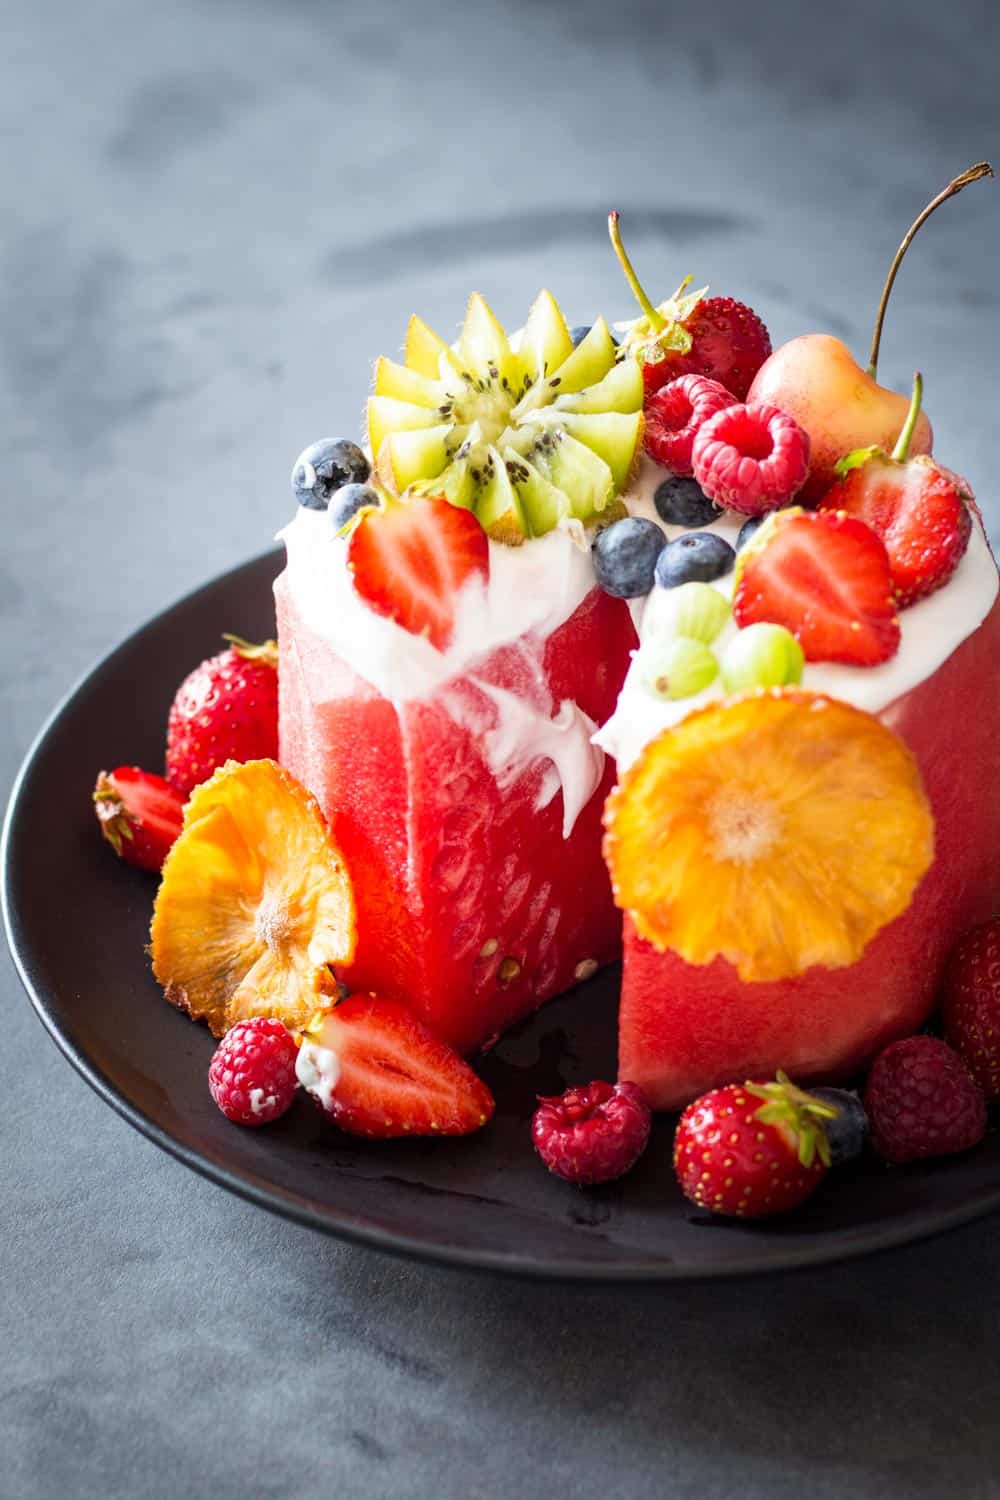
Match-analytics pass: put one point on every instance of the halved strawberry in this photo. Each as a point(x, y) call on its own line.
point(825, 577)
point(376, 1070)
point(140, 815)
point(410, 560)
point(918, 508)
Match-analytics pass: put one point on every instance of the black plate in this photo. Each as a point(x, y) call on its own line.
point(484, 1201)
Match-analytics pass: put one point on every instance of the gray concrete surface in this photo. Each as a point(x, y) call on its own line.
point(214, 215)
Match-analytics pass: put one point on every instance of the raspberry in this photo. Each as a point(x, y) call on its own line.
point(674, 415)
point(922, 1101)
point(593, 1133)
point(971, 1005)
point(750, 458)
point(252, 1073)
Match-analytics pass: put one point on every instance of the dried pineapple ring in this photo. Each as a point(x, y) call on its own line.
point(254, 903)
point(777, 830)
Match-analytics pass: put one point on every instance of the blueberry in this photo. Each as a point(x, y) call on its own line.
point(683, 502)
point(696, 558)
point(324, 467)
point(748, 529)
point(625, 556)
point(347, 501)
point(579, 333)
point(848, 1133)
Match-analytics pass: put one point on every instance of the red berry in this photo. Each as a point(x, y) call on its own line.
point(971, 1001)
point(675, 413)
point(376, 1070)
point(226, 709)
point(410, 561)
point(140, 815)
point(825, 577)
point(252, 1073)
point(593, 1133)
point(750, 1150)
point(922, 1101)
point(919, 510)
point(729, 343)
point(751, 458)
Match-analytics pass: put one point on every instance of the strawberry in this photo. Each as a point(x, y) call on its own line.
point(378, 1071)
point(693, 335)
point(971, 1005)
point(744, 1158)
point(226, 709)
point(918, 508)
point(410, 561)
point(140, 815)
point(825, 577)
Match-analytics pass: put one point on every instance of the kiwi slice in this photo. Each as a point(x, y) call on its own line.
point(524, 433)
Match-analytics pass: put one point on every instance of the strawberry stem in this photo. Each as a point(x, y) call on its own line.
point(266, 652)
point(971, 174)
point(657, 321)
point(902, 449)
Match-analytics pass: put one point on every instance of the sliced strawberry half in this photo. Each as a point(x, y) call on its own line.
point(410, 561)
point(378, 1071)
point(825, 577)
point(140, 815)
point(920, 510)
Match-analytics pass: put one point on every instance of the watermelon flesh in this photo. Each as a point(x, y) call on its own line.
point(685, 1029)
point(473, 907)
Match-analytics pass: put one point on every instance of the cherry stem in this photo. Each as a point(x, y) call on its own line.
point(972, 174)
point(902, 449)
point(656, 319)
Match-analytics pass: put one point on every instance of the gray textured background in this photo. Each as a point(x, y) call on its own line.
point(213, 215)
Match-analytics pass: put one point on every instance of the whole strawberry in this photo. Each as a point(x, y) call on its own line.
point(750, 1150)
point(140, 815)
point(971, 1005)
point(692, 334)
point(922, 1101)
point(593, 1133)
point(226, 709)
point(920, 509)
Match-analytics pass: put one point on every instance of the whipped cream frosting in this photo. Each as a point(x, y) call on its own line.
point(532, 590)
point(318, 1071)
point(930, 631)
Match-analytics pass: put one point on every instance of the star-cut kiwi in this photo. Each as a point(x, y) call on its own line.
point(523, 432)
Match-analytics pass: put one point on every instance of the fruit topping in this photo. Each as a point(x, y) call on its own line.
point(919, 509)
point(696, 558)
point(804, 817)
point(683, 502)
point(523, 437)
point(749, 529)
point(592, 1133)
point(625, 556)
point(750, 458)
point(825, 577)
point(692, 334)
point(816, 379)
point(255, 904)
point(762, 656)
point(349, 501)
point(971, 1005)
point(324, 467)
point(847, 1128)
point(922, 1101)
point(252, 1073)
point(678, 668)
point(411, 561)
point(140, 815)
point(226, 709)
point(376, 1070)
point(751, 1150)
point(692, 609)
point(579, 332)
point(673, 416)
